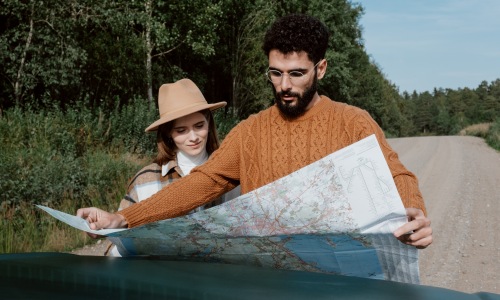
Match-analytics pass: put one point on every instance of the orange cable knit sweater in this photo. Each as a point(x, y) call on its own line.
point(266, 147)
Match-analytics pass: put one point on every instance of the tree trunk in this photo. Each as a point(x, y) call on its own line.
point(18, 84)
point(149, 50)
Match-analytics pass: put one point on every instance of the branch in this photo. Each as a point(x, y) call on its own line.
point(170, 50)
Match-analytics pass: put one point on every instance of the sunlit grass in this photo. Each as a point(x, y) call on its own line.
point(25, 228)
point(489, 131)
point(480, 130)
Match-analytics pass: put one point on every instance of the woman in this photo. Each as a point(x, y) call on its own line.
point(186, 136)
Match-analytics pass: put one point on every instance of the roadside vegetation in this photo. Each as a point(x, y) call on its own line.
point(493, 135)
point(66, 160)
point(490, 132)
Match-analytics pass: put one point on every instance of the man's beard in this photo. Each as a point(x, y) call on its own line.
point(294, 111)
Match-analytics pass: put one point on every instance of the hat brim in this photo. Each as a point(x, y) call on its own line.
point(182, 113)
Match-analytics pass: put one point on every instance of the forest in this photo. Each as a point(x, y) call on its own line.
point(108, 53)
point(79, 79)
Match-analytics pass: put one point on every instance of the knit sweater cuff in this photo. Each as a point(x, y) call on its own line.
point(134, 215)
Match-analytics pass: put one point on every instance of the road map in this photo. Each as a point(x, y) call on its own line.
point(336, 215)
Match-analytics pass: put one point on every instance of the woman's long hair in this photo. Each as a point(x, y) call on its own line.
point(166, 145)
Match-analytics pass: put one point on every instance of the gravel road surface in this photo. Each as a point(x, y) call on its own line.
point(460, 180)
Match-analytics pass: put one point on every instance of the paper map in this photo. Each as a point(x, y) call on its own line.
point(336, 215)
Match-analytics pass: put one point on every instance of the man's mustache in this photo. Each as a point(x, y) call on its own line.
point(288, 94)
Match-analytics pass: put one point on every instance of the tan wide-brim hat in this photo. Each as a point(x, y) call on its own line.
point(180, 99)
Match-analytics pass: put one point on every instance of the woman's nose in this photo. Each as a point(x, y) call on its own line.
point(192, 135)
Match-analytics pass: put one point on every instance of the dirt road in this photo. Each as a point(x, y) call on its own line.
point(460, 181)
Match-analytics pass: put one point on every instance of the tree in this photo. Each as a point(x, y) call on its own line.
point(457, 108)
point(102, 51)
point(489, 106)
point(470, 100)
point(251, 92)
point(166, 28)
point(423, 114)
point(346, 56)
point(442, 120)
point(41, 57)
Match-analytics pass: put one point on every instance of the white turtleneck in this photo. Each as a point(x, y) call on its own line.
point(188, 162)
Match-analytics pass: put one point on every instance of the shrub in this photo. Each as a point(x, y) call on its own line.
point(127, 128)
point(66, 160)
point(225, 121)
point(493, 135)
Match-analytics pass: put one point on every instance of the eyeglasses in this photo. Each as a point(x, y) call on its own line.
point(295, 77)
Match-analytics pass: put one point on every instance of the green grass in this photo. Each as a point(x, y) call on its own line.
point(25, 228)
point(493, 135)
point(65, 160)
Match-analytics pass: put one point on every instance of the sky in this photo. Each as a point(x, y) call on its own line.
point(425, 44)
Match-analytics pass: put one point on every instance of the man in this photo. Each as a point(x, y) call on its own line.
point(302, 127)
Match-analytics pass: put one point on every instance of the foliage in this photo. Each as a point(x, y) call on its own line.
point(48, 156)
point(479, 130)
point(493, 135)
point(40, 56)
point(79, 157)
point(25, 228)
point(225, 121)
point(489, 131)
point(112, 53)
point(64, 160)
point(448, 111)
point(251, 91)
point(65, 50)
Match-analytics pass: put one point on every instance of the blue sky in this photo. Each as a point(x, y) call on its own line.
point(422, 44)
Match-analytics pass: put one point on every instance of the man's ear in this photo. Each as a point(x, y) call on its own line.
point(322, 68)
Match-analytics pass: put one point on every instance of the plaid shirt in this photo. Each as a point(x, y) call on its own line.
point(152, 178)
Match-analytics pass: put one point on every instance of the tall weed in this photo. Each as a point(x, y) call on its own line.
point(128, 124)
point(65, 160)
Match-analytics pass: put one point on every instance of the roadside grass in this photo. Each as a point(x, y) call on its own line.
point(479, 130)
point(66, 160)
point(25, 228)
point(490, 132)
point(493, 135)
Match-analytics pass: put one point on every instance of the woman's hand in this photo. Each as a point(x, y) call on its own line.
point(100, 219)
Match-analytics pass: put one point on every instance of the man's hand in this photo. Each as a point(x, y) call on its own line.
point(417, 232)
point(100, 219)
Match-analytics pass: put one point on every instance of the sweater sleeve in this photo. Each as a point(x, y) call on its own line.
point(205, 183)
point(406, 182)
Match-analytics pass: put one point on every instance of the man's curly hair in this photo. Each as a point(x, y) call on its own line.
point(296, 33)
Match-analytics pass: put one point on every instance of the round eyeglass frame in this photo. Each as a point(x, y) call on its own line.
point(293, 75)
